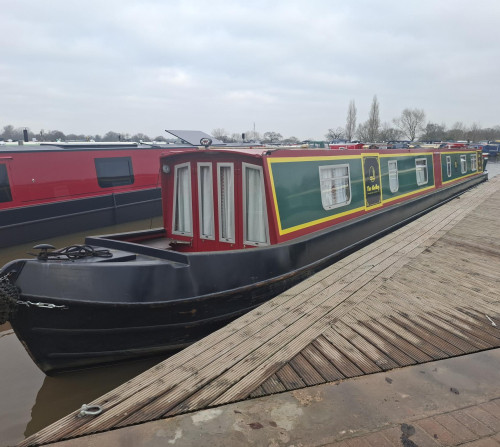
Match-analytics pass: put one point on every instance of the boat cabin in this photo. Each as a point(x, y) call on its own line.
point(229, 199)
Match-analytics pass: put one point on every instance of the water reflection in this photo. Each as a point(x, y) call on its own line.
point(29, 401)
point(60, 395)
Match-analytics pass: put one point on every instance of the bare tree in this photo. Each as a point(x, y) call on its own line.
point(373, 123)
point(433, 132)
point(220, 134)
point(350, 126)
point(362, 132)
point(388, 133)
point(291, 140)
point(337, 134)
point(410, 122)
point(272, 137)
point(473, 132)
point(111, 136)
point(457, 132)
point(140, 137)
point(252, 135)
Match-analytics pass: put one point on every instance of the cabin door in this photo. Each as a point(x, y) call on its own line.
point(371, 180)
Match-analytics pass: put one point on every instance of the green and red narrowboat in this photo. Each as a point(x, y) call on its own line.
point(240, 227)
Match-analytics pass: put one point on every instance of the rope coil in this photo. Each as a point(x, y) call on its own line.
point(73, 252)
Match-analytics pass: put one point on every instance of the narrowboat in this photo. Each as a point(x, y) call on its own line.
point(50, 189)
point(240, 226)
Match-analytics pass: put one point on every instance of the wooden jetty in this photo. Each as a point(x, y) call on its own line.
point(426, 291)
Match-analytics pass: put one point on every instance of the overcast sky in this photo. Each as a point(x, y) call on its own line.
point(288, 66)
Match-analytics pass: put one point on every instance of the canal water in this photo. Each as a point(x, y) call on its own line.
point(29, 400)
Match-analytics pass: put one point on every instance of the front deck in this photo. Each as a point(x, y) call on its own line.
point(425, 292)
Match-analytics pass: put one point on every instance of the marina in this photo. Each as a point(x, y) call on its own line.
point(425, 292)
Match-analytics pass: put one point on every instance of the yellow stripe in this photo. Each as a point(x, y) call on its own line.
point(461, 177)
point(318, 221)
point(408, 194)
point(407, 155)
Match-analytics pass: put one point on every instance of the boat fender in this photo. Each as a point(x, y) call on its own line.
point(89, 410)
point(9, 296)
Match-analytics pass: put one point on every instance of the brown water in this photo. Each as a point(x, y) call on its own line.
point(29, 400)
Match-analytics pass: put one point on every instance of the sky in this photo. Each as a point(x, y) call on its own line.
point(287, 66)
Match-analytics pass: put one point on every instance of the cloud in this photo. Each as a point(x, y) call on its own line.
point(291, 66)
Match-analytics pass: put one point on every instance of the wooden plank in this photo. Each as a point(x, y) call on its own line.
point(289, 378)
point(357, 357)
point(383, 344)
point(306, 371)
point(321, 364)
point(273, 385)
point(379, 357)
point(343, 364)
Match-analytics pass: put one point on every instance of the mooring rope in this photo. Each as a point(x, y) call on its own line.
point(73, 252)
point(9, 296)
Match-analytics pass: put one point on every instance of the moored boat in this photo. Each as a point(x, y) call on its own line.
point(240, 227)
point(50, 189)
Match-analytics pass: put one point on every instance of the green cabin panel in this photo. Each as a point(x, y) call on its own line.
point(455, 172)
point(298, 190)
point(407, 174)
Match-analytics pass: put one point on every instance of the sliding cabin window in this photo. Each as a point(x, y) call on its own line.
point(115, 171)
point(421, 171)
point(206, 200)
point(473, 162)
point(393, 175)
point(254, 206)
point(225, 183)
point(5, 193)
point(335, 185)
point(183, 215)
point(448, 165)
point(463, 164)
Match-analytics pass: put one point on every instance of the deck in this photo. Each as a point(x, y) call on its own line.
point(425, 292)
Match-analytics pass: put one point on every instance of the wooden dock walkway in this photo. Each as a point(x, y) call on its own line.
point(426, 291)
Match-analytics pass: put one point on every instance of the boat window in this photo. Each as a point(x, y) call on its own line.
point(463, 163)
point(5, 193)
point(335, 186)
point(206, 200)
point(421, 171)
point(473, 162)
point(225, 180)
point(183, 215)
point(116, 171)
point(254, 205)
point(448, 165)
point(393, 176)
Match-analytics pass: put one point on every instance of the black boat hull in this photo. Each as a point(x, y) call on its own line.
point(90, 332)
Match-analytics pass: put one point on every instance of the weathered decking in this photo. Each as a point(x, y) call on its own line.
point(424, 292)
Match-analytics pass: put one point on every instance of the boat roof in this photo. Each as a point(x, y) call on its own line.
point(293, 151)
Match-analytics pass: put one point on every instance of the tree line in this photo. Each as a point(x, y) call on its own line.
point(410, 125)
point(16, 133)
